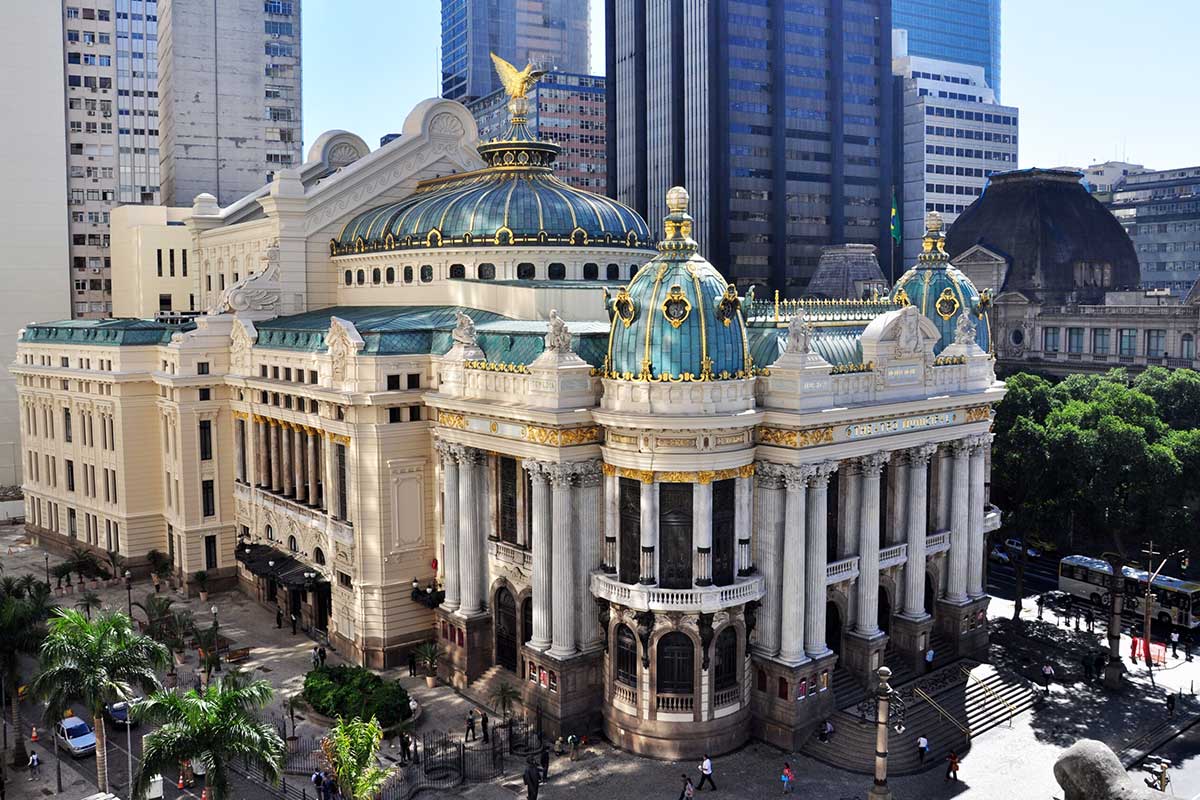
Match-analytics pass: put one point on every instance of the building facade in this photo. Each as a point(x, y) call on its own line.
point(578, 462)
point(959, 31)
point(953, 137)
point(1109, 176)
point(1160, 210)
point(551, 34)
point(36, 244)
point(566, 109)
point(228, 96)
point(776, 116)
point(151, 274)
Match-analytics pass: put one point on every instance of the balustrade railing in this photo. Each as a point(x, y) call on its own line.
point(626, 694)
point(727, 697)
point(937, 542)
point(674, 702)
point(891, 556)
point(844, 570)
point(698, 598)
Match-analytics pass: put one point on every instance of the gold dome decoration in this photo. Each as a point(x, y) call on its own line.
point(676, 307)
point(946, 304)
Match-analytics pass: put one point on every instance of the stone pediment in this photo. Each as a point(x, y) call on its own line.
point(344, 342)
point(979, 254)
point(901, 335)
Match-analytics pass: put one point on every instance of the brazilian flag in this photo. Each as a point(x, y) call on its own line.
point(895, 220)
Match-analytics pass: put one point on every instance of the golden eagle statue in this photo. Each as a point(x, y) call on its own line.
point(516, 83)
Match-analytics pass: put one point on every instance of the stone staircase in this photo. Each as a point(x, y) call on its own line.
point(480, 690)
point(976, 705)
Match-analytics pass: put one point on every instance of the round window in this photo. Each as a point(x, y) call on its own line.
point(1017, 336)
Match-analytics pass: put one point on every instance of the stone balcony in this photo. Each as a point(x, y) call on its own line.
point(310, 517)
point(937, 543)
point(707, 599)
point(893, 556)
point(840, 571)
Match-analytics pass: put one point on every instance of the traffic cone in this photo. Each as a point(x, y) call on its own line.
point(180, 784)
point(204, 793)
point(33, 735)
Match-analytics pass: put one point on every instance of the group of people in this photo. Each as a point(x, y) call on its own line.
point(325, 786)
point(318, 656)
point(705, 768)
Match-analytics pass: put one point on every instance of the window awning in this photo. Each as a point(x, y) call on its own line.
point(267, 562)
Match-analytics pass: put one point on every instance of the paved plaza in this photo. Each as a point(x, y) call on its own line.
point(1024, 752)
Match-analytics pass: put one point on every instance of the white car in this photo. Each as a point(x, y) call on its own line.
point(1016, 544)
point(76, 737)
point(999, 555)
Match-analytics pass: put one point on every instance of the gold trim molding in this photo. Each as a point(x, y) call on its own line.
point(701, 476)
point(979, 414)
point(561, 437)
point(809, 437)
point(449, 420)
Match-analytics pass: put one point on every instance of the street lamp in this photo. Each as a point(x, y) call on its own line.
point(886, 707)
point(47, 557)
point(216, 640)
point(129, 592)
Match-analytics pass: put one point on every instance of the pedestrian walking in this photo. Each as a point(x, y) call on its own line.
point(483, 724)
point(573, 746)
point(787, 776)
point(1171, 706)
point(560, 746)
point(1047, 676)
point(316, 657)
point(1091, 621)
point(1088, 667)
point(1174, 644)
point(706, 773)
point(316, 779)
point(922, 748)
point(1187, 645)
point(545, 760)
point(278, 618)
point(929, 655)
point(412, 663)
point(688, 789)
point(531, 781)
point(470, 734)
point(826, 731)
point(294, 621)
point(35, 764)
point(1100, 662)
point(328, 788)
point(405, 748)
point(951, 767)
point(1041, 603)
point(1133, 647)
point(322, 655)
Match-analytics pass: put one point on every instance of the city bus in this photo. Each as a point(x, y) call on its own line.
point(1175, 601)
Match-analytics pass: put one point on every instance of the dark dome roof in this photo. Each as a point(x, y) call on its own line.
point(1061, 242)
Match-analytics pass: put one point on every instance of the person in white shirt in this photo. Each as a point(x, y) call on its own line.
point(706, 771)
point(922, 748)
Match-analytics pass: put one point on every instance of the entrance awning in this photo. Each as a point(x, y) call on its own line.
point(267, 562)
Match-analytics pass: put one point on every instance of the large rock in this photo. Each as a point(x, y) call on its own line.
point(1090, 770)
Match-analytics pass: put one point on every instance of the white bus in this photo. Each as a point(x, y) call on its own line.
point(1175, 601)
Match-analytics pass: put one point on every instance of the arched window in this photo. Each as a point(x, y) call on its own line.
point(526, 271)
point(760, 681)
point(591, 271)
point(486, 272)
point(556, 271)
point(348, 277)
point(390, 275)
point(270, 534)
point(633, 268)
point(675, 664)
point(783, 692)
point(726, 676)
point(408, 275)
point(319, 557)
point(626, 656)
point(360, 277)
point(613, 272)
point(426, 273)
point(375, 276)
point(292, 544)
point(457, 271)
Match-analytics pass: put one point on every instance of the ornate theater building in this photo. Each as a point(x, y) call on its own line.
point(664, 510)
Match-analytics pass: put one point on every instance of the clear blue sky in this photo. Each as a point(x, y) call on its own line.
point(1094, 79)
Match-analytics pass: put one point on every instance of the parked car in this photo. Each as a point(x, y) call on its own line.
point(999, 555)
point(118, 712)
point(1016, 544)
point(76, 736)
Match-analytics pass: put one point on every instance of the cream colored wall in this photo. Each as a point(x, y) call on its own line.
point(138, 234)
point(36, 268)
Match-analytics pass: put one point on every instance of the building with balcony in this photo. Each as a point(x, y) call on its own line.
point(1160, 210)
point(666, 511)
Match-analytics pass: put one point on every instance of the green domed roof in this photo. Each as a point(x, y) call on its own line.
point(941, 291)
point(678, 320)
point(515, 200)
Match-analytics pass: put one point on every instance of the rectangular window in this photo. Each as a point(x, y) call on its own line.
point(393, 383)
point(205, 440)
point(414, 413)
point(396, 414)
point(629, 510)
point(208, 498)
point(160, 262)
point(183, 262)
point(71, 523)
point(210, 552)
point(1100, 343)
point(1050, 340)
point(506, 477)
point(205, 394)
point(201, 367)
point(1156, 343)
point(1127, 341)
point(414, 380)
point(67, 434)
point(70, 465)
point(171, 260)
point(341, 509)
point(1074, 340)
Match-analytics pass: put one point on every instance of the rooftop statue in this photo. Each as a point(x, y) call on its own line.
point(516, 83)
point(964, 329)
point(800, 332)
point(558, 337)
point(464, 330)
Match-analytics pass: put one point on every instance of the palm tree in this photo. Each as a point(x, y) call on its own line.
point(214, 727)
point(504, 696)
point(97, 663)
point(87, 601)
point(352, 749)
point(22, 628)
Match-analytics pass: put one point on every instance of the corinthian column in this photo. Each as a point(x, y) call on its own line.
point(612, 520)
point(311, 468)
point(918, 526)
point(262, 476)
point(816, 558)
point(868, 546)
point(285, 447)
point(702, 530)
point(590, 554)
point(791, 642)
point(744, 523)
point(449, 453)
point(649, 530)
point(768, 526)
point(563, 644)
point(470, 503)
point(275, 462)
point(298, 462)
point(543, 596)
point(956, 586)
point(975, 554)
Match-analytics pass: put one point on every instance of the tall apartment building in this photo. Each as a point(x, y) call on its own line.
point(34, 201)
point(229, 96)
point(953, 137)
point(1109, 176)
point(553, 34)
point(111, 86)
point(961, 31)
point(1160, 210)
point(565, 108)
point(770, 112)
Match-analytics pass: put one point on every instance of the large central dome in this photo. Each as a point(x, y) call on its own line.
point(517, 199)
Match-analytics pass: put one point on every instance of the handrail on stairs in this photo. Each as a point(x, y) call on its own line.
point(921, 693)
point(990, 692)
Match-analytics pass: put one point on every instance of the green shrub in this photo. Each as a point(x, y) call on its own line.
point(350, 691)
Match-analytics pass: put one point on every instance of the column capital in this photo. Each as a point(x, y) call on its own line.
point(560, 475)
point(588, 473)
point(795, 478)
point(961, 447)
point(769, 475)
point(979, 442)
point(821, 474)
point(872, 464)
point(538, 470)
point(449, 450)
point(919, 456)
point(469, 456)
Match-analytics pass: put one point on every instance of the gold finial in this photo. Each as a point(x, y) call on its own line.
point(933, 222)
point(515, 82)
point(677, 199)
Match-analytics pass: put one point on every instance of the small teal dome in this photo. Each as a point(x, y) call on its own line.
point(941, 291)
point(516, 200)
point(678, 319)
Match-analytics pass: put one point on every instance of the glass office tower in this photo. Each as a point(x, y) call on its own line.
point(962, 31)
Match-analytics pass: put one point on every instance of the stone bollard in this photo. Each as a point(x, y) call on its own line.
point(1089, 770)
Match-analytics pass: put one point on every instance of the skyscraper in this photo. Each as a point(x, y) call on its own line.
point(962, 31)
point(775, 114)
point(229, 96)
point(549, 33)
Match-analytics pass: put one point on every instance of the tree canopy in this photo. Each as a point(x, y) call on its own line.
point(1100, 462)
